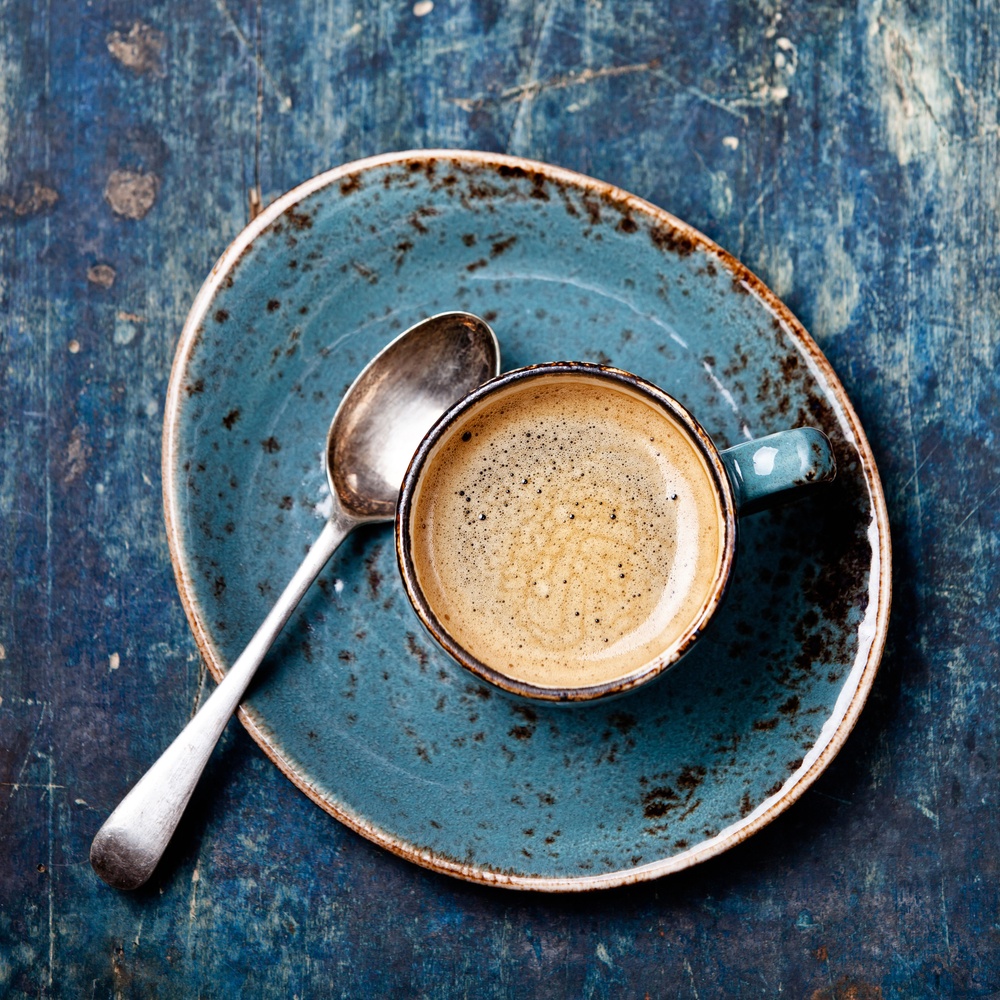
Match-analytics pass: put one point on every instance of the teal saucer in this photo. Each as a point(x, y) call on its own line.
point(355, 703)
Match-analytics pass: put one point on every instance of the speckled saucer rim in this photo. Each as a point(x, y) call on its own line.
point(862, 675)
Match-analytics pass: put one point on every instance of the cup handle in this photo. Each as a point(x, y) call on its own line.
point(778, 468)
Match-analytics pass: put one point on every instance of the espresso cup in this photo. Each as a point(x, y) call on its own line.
point(566, 531)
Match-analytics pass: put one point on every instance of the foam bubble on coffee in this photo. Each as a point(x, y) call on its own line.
point(566, 532)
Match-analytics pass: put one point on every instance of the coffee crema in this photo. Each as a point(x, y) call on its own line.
point(566, 532)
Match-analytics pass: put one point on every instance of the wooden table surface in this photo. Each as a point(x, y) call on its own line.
point(847, 153)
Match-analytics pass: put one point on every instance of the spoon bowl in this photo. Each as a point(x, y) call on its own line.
point(394, 402)
point(374, 433)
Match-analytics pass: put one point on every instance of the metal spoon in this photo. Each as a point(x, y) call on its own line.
point(374, 433)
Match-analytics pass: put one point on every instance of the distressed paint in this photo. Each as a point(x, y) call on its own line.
point(862, 188)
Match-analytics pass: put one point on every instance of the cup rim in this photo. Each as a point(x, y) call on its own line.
point(653, 668)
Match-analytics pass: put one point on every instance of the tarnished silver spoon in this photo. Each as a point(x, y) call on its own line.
point(374, 433)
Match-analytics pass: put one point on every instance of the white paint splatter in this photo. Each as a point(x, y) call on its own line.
point(730, 142)
point(423, 8)
point(125, 329)
point(113, 661)
point(338, 586)
point(721, 193)
point(780, 269)
point(602, 954)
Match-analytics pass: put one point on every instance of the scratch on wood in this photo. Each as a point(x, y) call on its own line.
point(979, 505)
point(766, 190)
point(689, 971)
point(572, 79)
point(15, 785)
point(256, 198)
point(944, 916)
point(916, 471)
point(833, 797)
point(900, 42)
point(193, 905)
point(965, 94)
point(929, 813)
point(714, 101)
point(284, 101)
point(520, 131)
point(51, 884)
point(45, 788)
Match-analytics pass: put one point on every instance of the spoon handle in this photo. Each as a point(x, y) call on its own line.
point(132, 840)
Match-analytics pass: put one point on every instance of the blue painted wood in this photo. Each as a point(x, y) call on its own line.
point(845, 154)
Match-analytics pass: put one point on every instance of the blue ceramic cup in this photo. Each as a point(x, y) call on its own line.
point(567, 531)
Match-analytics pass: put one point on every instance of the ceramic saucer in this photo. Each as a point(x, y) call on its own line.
point(355, 704)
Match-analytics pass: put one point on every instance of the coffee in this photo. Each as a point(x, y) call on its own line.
point(566, 532)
